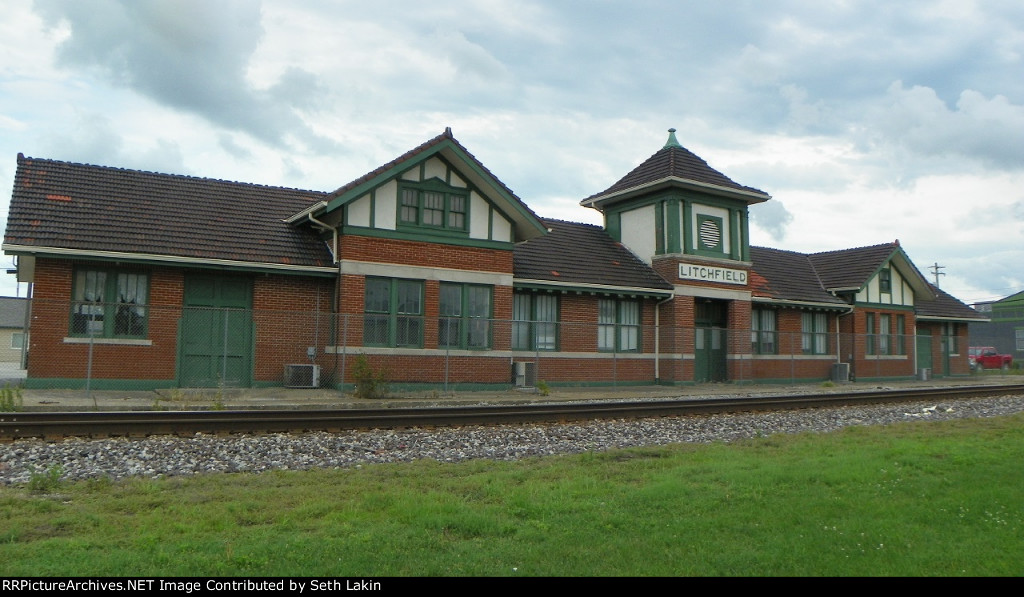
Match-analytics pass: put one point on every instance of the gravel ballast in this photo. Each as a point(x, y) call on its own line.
point(166, 456)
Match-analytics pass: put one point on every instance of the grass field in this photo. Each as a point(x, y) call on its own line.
point(914, 499)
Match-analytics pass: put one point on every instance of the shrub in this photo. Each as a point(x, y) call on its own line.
point(10, 398)
point(370, 383)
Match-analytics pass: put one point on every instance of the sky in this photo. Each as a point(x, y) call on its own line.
point(866, 121)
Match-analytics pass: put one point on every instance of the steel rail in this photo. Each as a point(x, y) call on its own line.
point(56, 425)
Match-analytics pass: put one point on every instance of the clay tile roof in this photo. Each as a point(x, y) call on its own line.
point(850, 268)
point(945, 305)
point(584, 254)
point(674, 161)
point(786, 275)
point(65, 205)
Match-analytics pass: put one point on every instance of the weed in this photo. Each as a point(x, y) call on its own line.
point(10, 398)
point(370, 383)
point(542, 387)
point(47, 480)
point(828, 384)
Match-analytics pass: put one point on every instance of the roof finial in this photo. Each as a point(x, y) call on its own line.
point(672, 142)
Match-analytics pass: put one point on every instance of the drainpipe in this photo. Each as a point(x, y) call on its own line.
point(334, 232)
point(337, 290)
point(657, 337)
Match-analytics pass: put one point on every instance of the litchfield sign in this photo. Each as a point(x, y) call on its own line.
point(706, 273)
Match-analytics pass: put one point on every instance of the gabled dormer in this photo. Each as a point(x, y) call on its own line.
point(674, 203)
point(437, 193)
point(876, 275)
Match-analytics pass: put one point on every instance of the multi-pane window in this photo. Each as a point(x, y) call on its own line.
point(535, 322)
point(885, 280)
point(109, 303)
point(869, 340)
point(436, 207)
point(393, 313)
point(763, 331)
point(465, 311)
point(950, 335)
point(814, 337)
point(884, 332)
point(618, 325)
point(1018, 336)
point(901, 335)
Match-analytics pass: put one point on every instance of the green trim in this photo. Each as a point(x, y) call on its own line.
point(448, 195)
point(675, 234)
point(685, 237)
point(564, 289)
point(464, 318)
point(469, 162)
point(71, 383)
point(884, 306)
point(171, 263)
point(421, 236)
point(109, 305)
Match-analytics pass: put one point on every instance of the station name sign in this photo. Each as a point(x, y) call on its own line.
point(706, 273)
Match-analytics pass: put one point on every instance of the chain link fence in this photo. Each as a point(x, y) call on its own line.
point(126, 346)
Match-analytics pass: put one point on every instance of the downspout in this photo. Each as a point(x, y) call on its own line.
point(337, 290)
point(657, 337)
point(839, 341)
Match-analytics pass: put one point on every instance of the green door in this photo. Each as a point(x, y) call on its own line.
point(216, 336)
point(924, 349)
point(710, 342)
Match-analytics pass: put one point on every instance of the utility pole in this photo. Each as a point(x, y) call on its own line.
point(936, 272)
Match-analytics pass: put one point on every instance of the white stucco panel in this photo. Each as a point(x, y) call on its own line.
point(638, 226)
point(359, 212)
point(501, 229)
point(435, 168)
point(479, 217)
point(385, 208)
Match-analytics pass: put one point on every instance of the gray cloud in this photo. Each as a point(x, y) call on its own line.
point(772, 217)
point(186, 54)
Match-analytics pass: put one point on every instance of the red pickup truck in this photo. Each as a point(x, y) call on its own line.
point(987, 357)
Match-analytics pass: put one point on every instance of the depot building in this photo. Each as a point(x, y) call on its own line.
point(432, 270)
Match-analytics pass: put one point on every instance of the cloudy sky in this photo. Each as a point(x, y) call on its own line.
point(867, 121)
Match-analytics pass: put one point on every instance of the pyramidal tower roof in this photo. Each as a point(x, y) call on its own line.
point(674, 165)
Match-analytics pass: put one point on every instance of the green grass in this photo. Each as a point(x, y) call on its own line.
point(915, 499)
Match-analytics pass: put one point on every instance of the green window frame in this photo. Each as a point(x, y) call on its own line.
point(109, 303)
point(393, 313)
point(434, 206)
point(869, 340)
point(884, 333)
point(885, 281)
point(814, 336)
point(465, 316)
point(618, 325)
point(949, 332)
point(764, 331)
point(900, 340)
point(535, 322)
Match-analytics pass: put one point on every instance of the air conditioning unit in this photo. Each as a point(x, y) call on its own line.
point(302, 376)
point(524, 374)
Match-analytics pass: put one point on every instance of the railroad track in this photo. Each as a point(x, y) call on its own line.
point(92, 424)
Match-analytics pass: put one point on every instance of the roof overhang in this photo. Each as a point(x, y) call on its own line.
point(62, 253)
point(800, 304)
point(591, 288)
point(601, 201)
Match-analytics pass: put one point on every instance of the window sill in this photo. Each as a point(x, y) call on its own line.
point(109, 341)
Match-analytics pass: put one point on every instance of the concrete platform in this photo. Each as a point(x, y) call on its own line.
point(285, 398)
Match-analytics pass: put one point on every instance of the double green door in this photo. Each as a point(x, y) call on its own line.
point(216, 333)
point(710, 342)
